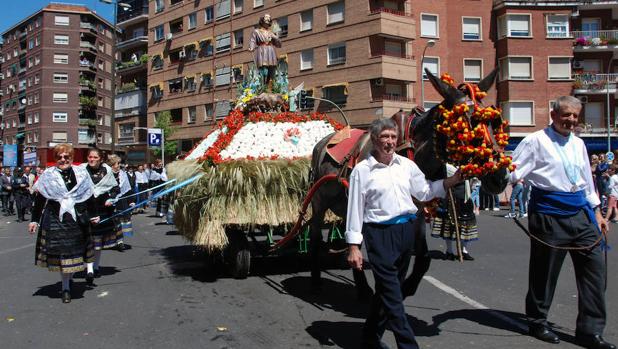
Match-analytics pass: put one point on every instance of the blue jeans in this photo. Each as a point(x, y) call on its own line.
point(475, 197)
point(517, 194)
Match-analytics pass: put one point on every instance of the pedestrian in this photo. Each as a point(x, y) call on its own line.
point(147, 171)
point(475, 193)
point(157, 177)
point(31, 178)
point(122, 222)
point(517, 195)
point(612, 206)
point(101, 206)
point(564, 211)
point(61, 219)
point(381, 213)
point(21, 192)
point(7, 192)
point(443, 225)
point(141, 179)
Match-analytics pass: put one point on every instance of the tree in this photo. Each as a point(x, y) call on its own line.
point(163, 120)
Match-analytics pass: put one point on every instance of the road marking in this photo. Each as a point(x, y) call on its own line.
point(16, 249)
point(453, 292)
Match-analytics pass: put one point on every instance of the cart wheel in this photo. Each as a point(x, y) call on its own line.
point(238, 255)
point(212, 263)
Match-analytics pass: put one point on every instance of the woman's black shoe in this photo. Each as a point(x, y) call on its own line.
point(97, 274)
point(66, 296)
point(467, 257)
point(120, 247)
point(449, 256)
point(90, 278)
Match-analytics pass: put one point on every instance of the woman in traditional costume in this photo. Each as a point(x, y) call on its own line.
point(102, 207)
point(62, 194)
point(122, 223)
point(263, 42)
point(444, 224)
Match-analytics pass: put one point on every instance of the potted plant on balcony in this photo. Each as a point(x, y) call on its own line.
point(87, 102)
point(577, 84)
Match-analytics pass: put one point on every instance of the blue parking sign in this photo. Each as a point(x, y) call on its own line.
point(154, 137)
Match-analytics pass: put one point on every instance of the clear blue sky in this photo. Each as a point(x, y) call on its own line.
point(13, 11)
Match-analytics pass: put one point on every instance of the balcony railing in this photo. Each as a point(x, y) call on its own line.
point(392, 98)
point(86, 44)
point(391, 54)
point(388, 10)
point(134, 11)
point(595, 37)
point(591, 81)
point(86, 25)
point(134, 40)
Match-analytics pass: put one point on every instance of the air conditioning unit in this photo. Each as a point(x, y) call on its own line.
point(583, 99)
point(1, 59)
point(1, 76)
point(378, 82)
point(182, 54)
point(578, 64)
point(169, 36)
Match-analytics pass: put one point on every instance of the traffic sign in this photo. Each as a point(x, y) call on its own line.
point(609, 156)
point(154, 137)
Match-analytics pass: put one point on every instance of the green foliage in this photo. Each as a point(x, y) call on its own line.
point(164, 122)
point(88, 102)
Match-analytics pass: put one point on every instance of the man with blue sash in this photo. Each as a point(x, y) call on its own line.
point(563, 212)
point(381, 213)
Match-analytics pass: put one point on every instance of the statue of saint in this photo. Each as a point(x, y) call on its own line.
point(263, 42)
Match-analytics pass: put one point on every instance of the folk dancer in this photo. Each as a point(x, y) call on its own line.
point(564, 211)
point(157, 177)
point(122, 223)
point(141, 178)
point(381, 213)
point(62, 194)
point(21, 192)
point(101, 207)
point(263, 42)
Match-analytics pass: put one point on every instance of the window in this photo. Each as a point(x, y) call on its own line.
point(516, 68)
point(335, 13)
point(30, 62)
point(283, 25)
point(433, 64)
point(473, 70)
point(209, 14)
point(37, 22)
point(190, 84)
point(157, 62)
point(60, 97)
point(306, 59)
point(222, 9)
point(471, 28)
point(306, 20)
point(559, 68)
point(37, 40)
point(206, 80)
point(176, 26)
point(61, 20)
point(222, 76)
point(59, 136)
point(159, 33)
point(37, 60)
point(61, 78)
point(429, 25)
point(192, 21)
point(36, 98)
point(59, 117)
point(36, 117)
point(61, 39)
point(238, 38)
point(258, 3)
point(159, 6)
point(512, 25)
point(206, 48)
point(208, 111)
point(85, 136)
point(192, 117)
point(30, 119)
point(31, 44)
point(237, 6)
point(61, 58)
point(336, 54)
point(37, 79)
point(175, 86)
point(557, 26)
point(237, 74)
point(223, 42)
point(519, 113)
point(126, 130)
point(336, 94)
point(36, 137)
point(591, 27)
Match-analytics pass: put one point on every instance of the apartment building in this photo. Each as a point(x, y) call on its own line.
point(355, 53)
point(131, 72)
point(57, 81)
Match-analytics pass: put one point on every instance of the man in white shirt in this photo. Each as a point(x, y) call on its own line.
point(563, 211)
point(381, 213)
point(141, 179)
point(157, 177)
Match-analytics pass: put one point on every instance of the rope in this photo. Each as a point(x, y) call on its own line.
point(567, 248)
point(145, 191)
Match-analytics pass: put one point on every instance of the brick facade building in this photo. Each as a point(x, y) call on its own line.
point(57, 81)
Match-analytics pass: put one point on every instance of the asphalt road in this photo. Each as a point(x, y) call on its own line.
point(158, 295)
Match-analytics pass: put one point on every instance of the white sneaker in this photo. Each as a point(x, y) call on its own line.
point(486, 209)
point(510, 215)
point(523, 215)
point(496, 208)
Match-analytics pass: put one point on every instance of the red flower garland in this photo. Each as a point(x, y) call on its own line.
point(472, 149)
point(236, 120)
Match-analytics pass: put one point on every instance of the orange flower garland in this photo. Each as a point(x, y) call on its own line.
point(236, 120)
point(469, 145)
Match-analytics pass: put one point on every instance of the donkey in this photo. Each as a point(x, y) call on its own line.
point(424, 142)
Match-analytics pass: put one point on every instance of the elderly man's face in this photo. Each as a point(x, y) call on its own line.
point(386, 142)
point(566, 118)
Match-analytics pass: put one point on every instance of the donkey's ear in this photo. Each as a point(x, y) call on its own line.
point(485, 84)
point(445, 90)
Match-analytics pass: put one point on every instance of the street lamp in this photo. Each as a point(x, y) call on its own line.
point(125, 7)
point(430, 43)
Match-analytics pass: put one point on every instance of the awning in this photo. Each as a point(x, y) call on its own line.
point(344, 84)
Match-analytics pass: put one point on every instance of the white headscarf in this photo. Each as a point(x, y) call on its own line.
point(52, 187)
point(106, 183)
point(125, 186)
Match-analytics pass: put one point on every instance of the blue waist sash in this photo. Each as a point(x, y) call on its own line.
point(400, 219)
point(562, 204)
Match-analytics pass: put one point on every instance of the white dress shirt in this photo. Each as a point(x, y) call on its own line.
point(613, 186)
point(156, 176)
point(141, 178)
point(380, 192)
point(539, 163)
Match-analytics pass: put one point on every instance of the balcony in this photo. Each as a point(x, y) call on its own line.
point(138, 12)
point(395, 23)
point(401, 55)
point(126, 139)
point(595, 40)
point(135, 41)
point(86, 64)
point(88, 26)
point(392, 98)
point(88, 45)
point(379, 10)
point(88, 122)
point(130, 103)
point(589, 83)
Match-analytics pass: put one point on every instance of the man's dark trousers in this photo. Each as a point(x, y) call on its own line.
point(546, 262)
point(389, 248)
